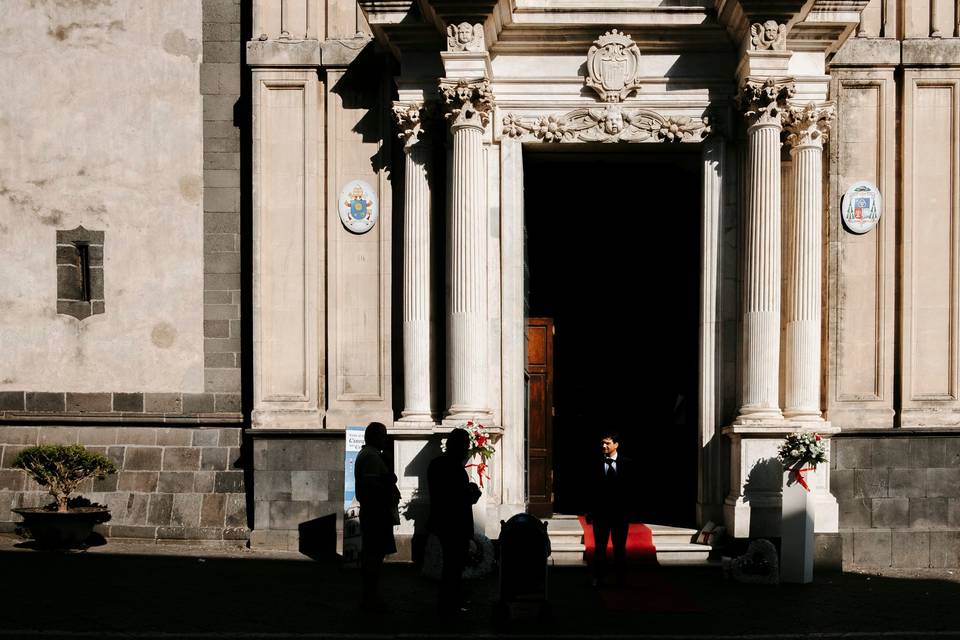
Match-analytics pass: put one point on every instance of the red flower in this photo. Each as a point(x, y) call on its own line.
point(481, 440)
point(817, 436)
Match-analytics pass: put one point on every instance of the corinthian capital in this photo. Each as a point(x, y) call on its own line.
point(809, 125)
point(410, 117)
point(764, 102)
point(468, 103)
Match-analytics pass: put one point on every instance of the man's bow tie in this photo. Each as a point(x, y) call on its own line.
point(609, 460)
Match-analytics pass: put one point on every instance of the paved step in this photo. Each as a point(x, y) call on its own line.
point(663, 534)
point(679, 553)
point(566, 554)
point(675, 545)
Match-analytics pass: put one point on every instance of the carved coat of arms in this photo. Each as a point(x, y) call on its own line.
point(861, 207)
point(613, 66)
point(358, 207)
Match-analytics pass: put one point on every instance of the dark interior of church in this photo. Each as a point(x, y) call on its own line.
point(613, 257)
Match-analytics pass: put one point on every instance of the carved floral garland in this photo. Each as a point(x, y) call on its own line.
point(609, 124)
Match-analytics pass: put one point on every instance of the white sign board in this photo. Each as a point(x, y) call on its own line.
point(359, 207)
point(351, 508)
point(861, 207)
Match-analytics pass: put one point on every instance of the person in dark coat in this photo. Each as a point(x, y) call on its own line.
point(611, 500)
point(452, 497)
point(378, 496)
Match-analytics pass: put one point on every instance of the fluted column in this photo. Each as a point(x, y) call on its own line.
point(418, 388)
point(763, 103)
point(468, 107)
point(808, 128)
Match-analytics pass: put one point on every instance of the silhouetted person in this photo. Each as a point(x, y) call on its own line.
point(452, 497)
point(378, 496)
point(610, 500)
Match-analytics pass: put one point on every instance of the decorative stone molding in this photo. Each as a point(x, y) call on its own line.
point(465, 37)
point(468, 103)
point(764, 102)
point(809, 125)
point(768, 36)
point(610, 124)
point(613, 66)
point(410, 117)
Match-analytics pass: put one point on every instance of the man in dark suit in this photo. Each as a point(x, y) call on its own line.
point(611, 498)
point(452, 497)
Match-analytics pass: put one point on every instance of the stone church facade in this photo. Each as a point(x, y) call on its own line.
point(232, 229)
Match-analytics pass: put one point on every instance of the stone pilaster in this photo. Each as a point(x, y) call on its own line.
point(710, 479)
point(468, 106)
point(764, 103)
point(807, 127)
point(418, 347)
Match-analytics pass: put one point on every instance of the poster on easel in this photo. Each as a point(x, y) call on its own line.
point(351, 508)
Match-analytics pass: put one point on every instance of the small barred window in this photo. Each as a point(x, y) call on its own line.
point(79, 272)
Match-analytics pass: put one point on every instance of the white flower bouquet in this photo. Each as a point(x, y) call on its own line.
point(802, 448)
point(802, 452)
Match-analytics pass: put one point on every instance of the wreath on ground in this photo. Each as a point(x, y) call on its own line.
point(479, 558)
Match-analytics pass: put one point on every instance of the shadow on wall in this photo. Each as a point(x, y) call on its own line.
point(318, 538)
point(416, 508)
point(763, 487)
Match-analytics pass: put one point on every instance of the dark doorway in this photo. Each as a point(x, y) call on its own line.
point(613, 257)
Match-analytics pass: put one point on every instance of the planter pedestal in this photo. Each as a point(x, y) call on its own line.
point(796, 530)
point(56, 530)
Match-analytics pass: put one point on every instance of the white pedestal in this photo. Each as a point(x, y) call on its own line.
point(796, 531)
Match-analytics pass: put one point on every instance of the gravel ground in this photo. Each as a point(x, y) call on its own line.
point(125, 590)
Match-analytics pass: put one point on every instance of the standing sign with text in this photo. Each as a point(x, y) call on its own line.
point(861, 207)
point(351, 508)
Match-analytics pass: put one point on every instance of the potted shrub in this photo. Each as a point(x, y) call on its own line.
point(61, 468)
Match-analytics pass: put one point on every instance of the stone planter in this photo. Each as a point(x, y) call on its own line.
point(796, 530)
point(62, 530)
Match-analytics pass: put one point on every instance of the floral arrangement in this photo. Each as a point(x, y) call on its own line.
point(480, 442)
point(481, 446)
point(802, 452)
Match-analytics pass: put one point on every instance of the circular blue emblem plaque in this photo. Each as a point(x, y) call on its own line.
point(358, 206)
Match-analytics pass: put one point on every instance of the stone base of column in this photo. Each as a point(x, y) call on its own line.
point(410, 419)
point(809, 418)
point(753, 507)
point(759, 417)
point(458, 418)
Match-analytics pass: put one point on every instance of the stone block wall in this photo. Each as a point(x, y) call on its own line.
point(220, 87)
point(899, 498)
point(296, 480)
point(173, 483)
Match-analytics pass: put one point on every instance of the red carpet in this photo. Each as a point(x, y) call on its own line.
point(640, 549)
point(645, 590)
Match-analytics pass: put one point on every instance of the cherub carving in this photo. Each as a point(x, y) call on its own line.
point(768, 36)
point(465, 37)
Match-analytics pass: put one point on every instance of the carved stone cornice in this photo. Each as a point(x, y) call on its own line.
point(613, 66)
point(411, 118)
point(465, 37)
point(809, 125)
point(768, 36)
point(764, 102)
point(609, 124)
point(468, 103)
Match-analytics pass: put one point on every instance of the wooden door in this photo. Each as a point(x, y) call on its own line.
point(540, 416)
